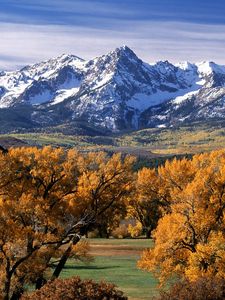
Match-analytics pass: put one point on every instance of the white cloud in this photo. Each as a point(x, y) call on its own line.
point(23, 43)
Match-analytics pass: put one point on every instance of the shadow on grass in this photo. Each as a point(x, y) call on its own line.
point(69, 267)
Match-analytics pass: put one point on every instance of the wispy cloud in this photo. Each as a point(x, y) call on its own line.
point(155, 29)
point(176, 41)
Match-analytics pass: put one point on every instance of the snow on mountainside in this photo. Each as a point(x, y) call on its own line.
point(116, 91)
point(39, 83)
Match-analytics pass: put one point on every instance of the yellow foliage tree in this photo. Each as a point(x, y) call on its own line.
point(148, 200)
point(190, 238)
point(49, 198)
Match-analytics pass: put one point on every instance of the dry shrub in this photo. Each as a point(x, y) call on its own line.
point(205, 288)
point(76, 289)
point(121, 232)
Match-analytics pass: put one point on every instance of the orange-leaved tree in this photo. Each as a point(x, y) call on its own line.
point(190, 237)
point(49, 198)
point(145, 203)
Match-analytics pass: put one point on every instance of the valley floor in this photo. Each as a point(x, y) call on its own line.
point(115, 261)
point(145, 143)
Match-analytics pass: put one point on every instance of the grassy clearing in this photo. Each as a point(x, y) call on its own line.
point(115, 261)
point(186, 139)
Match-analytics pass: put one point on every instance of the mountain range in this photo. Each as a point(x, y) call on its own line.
point(115, 92)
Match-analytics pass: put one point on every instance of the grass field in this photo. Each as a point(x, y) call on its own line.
point(115, 261)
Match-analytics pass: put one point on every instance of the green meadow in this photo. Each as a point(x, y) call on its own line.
point(115, 260)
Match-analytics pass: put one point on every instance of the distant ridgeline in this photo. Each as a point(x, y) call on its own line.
point(112, 93)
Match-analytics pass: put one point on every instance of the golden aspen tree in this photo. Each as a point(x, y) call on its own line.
point(190, 239)
point(145, 203)
point(48, 199)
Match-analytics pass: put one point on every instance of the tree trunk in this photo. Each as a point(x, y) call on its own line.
point(6, 290)
point(64, 258)
point(100, 232)
point(19, 290)
point(103, 232)
point(148, 232)
point(40, 282)
point(16, 295)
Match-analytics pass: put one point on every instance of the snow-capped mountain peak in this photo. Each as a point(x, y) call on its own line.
point(208, 67)
point(115, 91)
point(186, 66)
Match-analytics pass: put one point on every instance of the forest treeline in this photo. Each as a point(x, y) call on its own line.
point(50, 198)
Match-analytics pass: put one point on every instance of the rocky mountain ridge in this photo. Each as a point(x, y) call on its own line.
point(113, 92)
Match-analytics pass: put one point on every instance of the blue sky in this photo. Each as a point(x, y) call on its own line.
point(175, 30)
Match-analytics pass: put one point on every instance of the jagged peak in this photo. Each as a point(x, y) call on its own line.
point(61, 59)
point(164, 66)
point(121, 55)
point(65, 57)
point(208, 67)
point(164, 63)
point(123, 51)
point(185, 65)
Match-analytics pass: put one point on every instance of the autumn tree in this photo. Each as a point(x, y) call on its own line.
point(151, 196)
point(107, 222)
point(145, 203)
point(49, 198)
point(190, 238)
